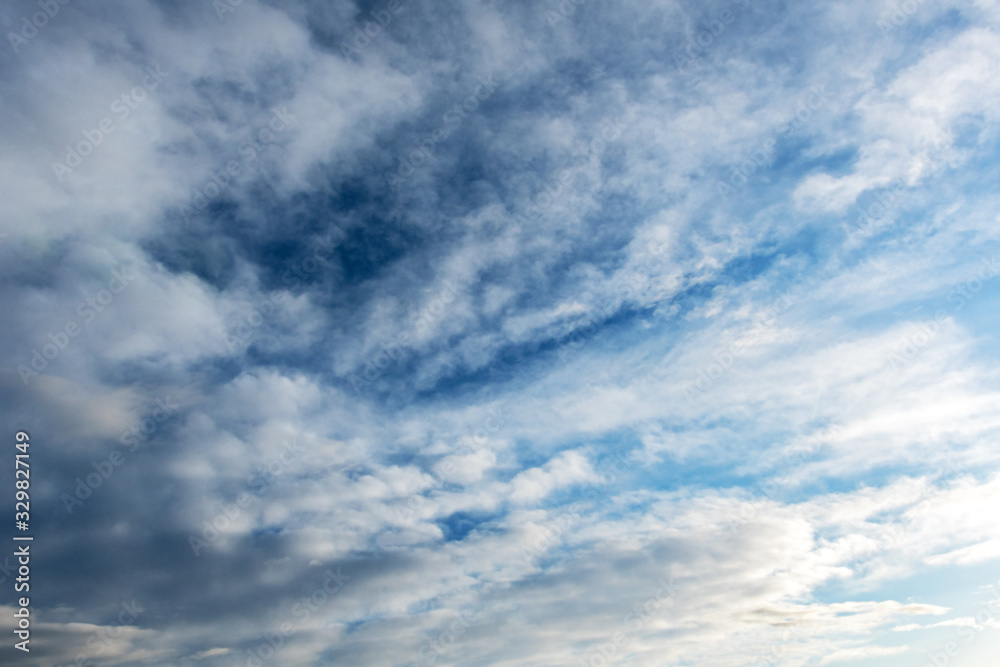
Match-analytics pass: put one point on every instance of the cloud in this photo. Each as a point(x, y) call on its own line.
point(678, 364)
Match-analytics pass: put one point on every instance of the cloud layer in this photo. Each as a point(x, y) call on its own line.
point(383, 333)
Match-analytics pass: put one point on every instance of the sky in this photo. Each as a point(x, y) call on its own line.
point(500, 333)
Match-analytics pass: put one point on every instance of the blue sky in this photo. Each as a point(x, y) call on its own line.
point(505, 333)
